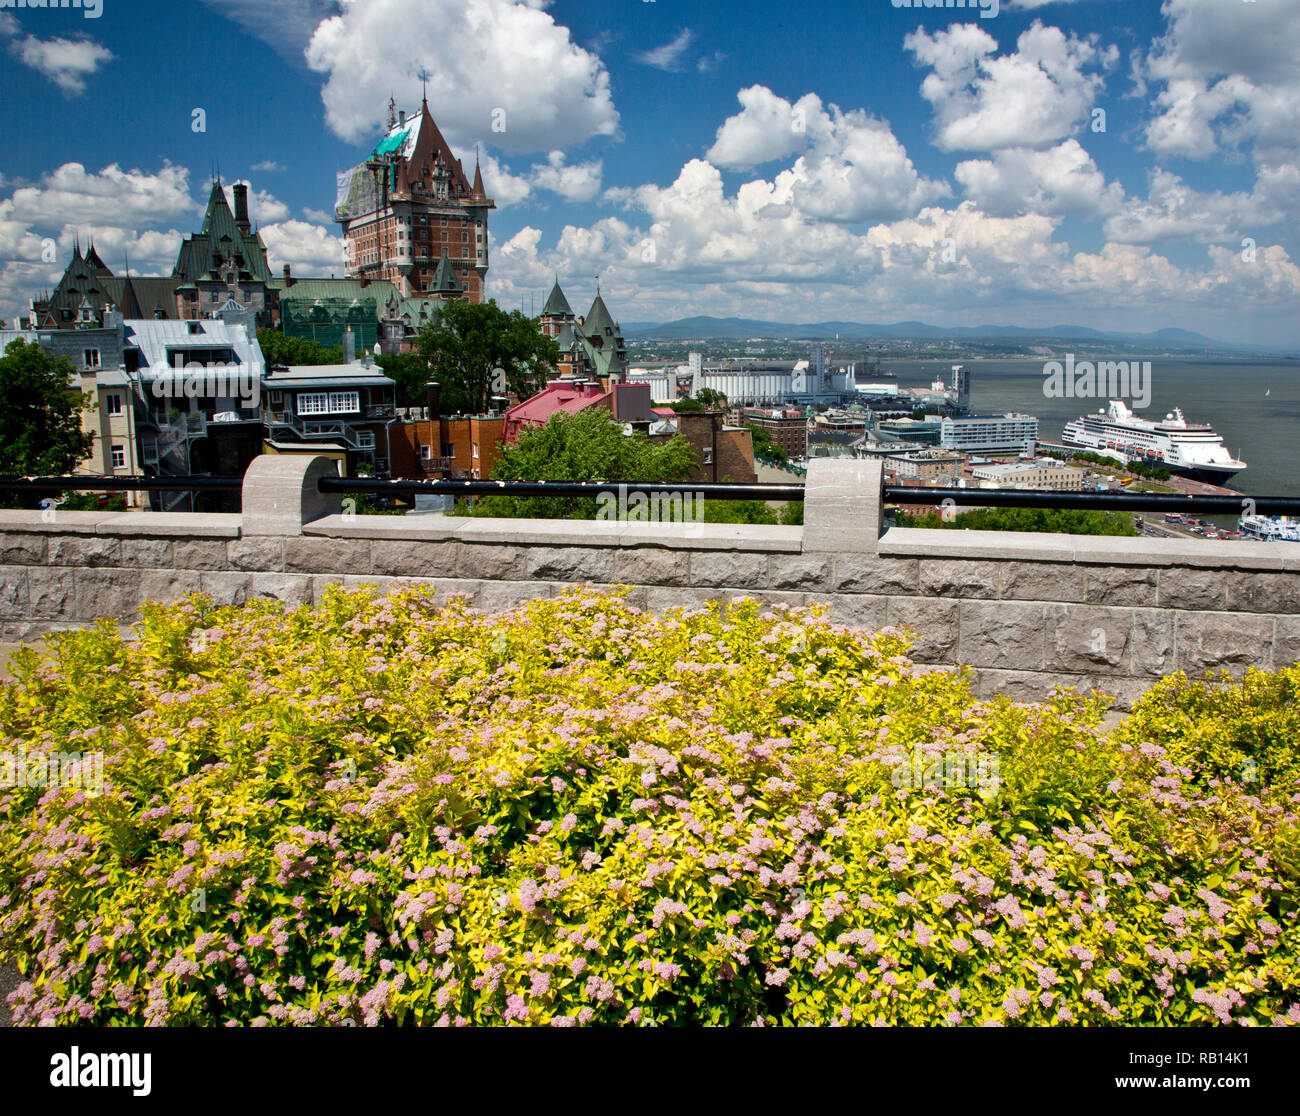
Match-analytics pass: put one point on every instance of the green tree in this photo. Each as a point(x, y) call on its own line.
point(279, 349)
point(467, 341)
point(1067, 521)
point(411, 373)
point(682, 406)
point(582, 447)
point(40, 417)
point(89, 501)
point(765, 447)
point(711, 398)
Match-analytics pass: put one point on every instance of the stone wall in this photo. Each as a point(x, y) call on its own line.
point(1025, 611)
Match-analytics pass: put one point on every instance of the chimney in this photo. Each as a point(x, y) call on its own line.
point(288, 277)
point(431, 390)
point(241, 208)
point(349, 348)
point(401, 117)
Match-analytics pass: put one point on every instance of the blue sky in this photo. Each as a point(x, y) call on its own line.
point(855, 161)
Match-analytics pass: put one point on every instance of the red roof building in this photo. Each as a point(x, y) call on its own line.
point(624, 402)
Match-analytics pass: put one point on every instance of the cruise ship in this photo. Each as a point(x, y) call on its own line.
point(1189, 449)
point(1269, 528)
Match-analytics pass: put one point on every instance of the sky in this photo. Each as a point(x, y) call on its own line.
point(1119, 164)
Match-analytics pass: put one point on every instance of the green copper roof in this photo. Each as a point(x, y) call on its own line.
point(444, 279)
point(598, 321)
point(220, 237)
point(557, 306)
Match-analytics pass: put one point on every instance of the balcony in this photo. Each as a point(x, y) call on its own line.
point(379, 412)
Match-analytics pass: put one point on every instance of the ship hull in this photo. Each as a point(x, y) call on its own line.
point(1208, 474)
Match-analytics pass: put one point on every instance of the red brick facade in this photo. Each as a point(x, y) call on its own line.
point(411, 203)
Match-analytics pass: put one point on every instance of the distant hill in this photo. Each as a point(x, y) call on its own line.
point(738, 329)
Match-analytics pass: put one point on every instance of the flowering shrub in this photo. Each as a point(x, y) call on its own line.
point(401, 809)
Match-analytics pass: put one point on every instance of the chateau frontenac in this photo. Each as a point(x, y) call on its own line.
point(410, 215)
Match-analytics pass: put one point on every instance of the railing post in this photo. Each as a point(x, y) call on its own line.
point(842, 505)
point(280, 495)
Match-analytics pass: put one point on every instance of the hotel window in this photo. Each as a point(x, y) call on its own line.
point(426, 453)
point(328, 402)
point(475, 450)
point(113, 403)
point(119, 457)
point(90, 358)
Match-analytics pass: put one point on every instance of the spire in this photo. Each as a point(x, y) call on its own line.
point(557, 306)
point(392, 112)
point(479, 192)
point(130, 301)
point(423, 75)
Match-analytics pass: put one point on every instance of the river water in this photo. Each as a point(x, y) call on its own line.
point(1261, 429)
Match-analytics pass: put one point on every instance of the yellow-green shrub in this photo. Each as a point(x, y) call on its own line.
point(401, 809)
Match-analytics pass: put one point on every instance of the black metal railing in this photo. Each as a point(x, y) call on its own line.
point(404, 485)
point(121, 484)
point(1100, 501)
point(893, 494)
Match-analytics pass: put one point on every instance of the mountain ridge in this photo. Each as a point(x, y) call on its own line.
point(711, 328)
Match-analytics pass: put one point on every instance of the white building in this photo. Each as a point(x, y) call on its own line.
point(1009, 433)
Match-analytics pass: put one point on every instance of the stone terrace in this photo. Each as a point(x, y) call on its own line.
point(1026, 611)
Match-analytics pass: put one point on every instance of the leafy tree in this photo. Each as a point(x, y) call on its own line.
point(466, 341)
point(711, 398)
point(40, 418)
point(1137, 468)
point(279, 349)
point(765, 447)
point(1068, 521)
point(89, 501)
point(582, 447)
point(411, 372)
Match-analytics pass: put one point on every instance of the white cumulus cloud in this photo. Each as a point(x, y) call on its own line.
point(1033, 97)
point(498, 70)
point(66, 62)
point(850, 167)
point(1059, 181)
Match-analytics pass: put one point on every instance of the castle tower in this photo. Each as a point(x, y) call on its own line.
point(557, 312)
point(409, 205)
